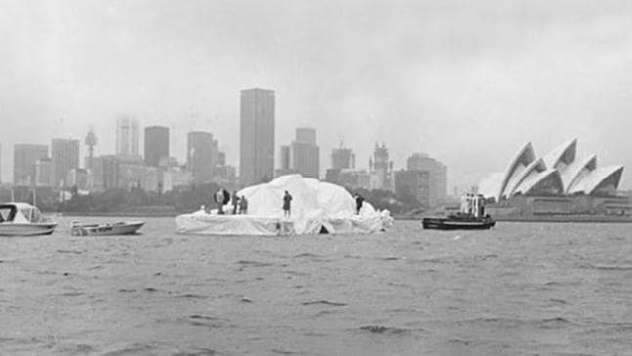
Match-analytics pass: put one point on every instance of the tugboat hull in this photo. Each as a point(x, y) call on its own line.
point(453, 224)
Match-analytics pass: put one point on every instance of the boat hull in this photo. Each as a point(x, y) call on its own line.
point(106, 229)
point(31, 229)
point(454, 224)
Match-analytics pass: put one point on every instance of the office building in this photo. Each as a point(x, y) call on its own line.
point(156, 144)
point(342, 158)
point(413, 184)
point(65, 156)
point(438, 176)
point(25, 157)
point(104, 173)
point(44, 172)
point(256, 156)
point(381, 169)
point(202, 155)
point(305, 153)
point(285, 164)
point(127, 137)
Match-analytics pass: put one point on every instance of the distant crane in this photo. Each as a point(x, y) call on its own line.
point(91, 141)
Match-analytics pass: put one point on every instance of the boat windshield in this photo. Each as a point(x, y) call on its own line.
point(7, 213)
point(33, 215)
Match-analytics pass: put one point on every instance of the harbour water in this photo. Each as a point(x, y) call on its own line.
point(518, 289)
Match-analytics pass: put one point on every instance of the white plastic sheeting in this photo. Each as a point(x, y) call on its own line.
point(316, 207)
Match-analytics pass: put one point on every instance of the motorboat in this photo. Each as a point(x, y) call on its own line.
point(23, 219)
point(103, 229)
point(470, 217)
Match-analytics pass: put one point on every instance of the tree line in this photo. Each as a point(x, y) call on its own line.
point(183, 199)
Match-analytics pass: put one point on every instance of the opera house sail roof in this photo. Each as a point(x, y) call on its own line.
point(558, 172)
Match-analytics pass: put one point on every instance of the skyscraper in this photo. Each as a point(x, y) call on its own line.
point(305, 153)
point(127, 136)
point(342, 158)
point(90, 141)
point(65, 156)
point(437, 176)
point(156, 144)
point(25, 156)
point(413, 184)
point(256, 154)
point(43, 172)
point(381, 169)
point(202, 155)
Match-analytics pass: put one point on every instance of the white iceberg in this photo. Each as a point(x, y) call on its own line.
point(317, 207)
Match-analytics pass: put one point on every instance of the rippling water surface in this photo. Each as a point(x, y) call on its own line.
point(561, 289)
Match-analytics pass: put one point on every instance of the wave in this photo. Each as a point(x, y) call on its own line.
point(249, 263)
point(71, 251)
point(206, 321)
point(613, 268)
point(384, 330)
point(192, 296)
point(285, 352)
point(201, 351)
point(517, 322)
point(134, 349)
point(306, 254)
point(390, 258)
point(326, 302)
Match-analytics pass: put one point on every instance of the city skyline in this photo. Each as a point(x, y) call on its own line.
point(464, 83)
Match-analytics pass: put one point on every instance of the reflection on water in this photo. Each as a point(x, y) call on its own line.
point(516, 289)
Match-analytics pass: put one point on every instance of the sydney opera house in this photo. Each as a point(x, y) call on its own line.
point(557, 184)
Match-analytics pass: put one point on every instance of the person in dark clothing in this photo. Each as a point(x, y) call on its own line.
point(243, 205)
point(235, 201)
point(287, 199)
point(359, 200)
point(220, 200)
point(226, 196)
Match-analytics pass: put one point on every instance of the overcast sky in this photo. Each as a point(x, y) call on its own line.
point(467, 82)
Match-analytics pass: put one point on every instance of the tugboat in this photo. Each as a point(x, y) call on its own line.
point(471, 216)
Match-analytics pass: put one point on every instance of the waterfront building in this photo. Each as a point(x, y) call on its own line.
point(285, 157)
point(349, 178)
point(77, 177)
point(202, 155)
point(25, 157)
point(557, 173)
point(305, 153)
point(44, 172)
point(127, 136)
point(437, 173)
point(415, 184)
point(131, 172)
point(65, 156)
point(174, 177)
point(559, 184)
point(342, 158)
point(256, 155)
point(104, 173)
point(381, 169)
point(156, 144)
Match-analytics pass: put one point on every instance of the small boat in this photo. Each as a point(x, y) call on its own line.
point(470, 217)
point(102, 229)
point(22, 219)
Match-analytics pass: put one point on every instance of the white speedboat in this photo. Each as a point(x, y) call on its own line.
point(22, 219)
point(118, 228)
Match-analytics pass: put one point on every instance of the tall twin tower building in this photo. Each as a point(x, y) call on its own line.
point(256, 156)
